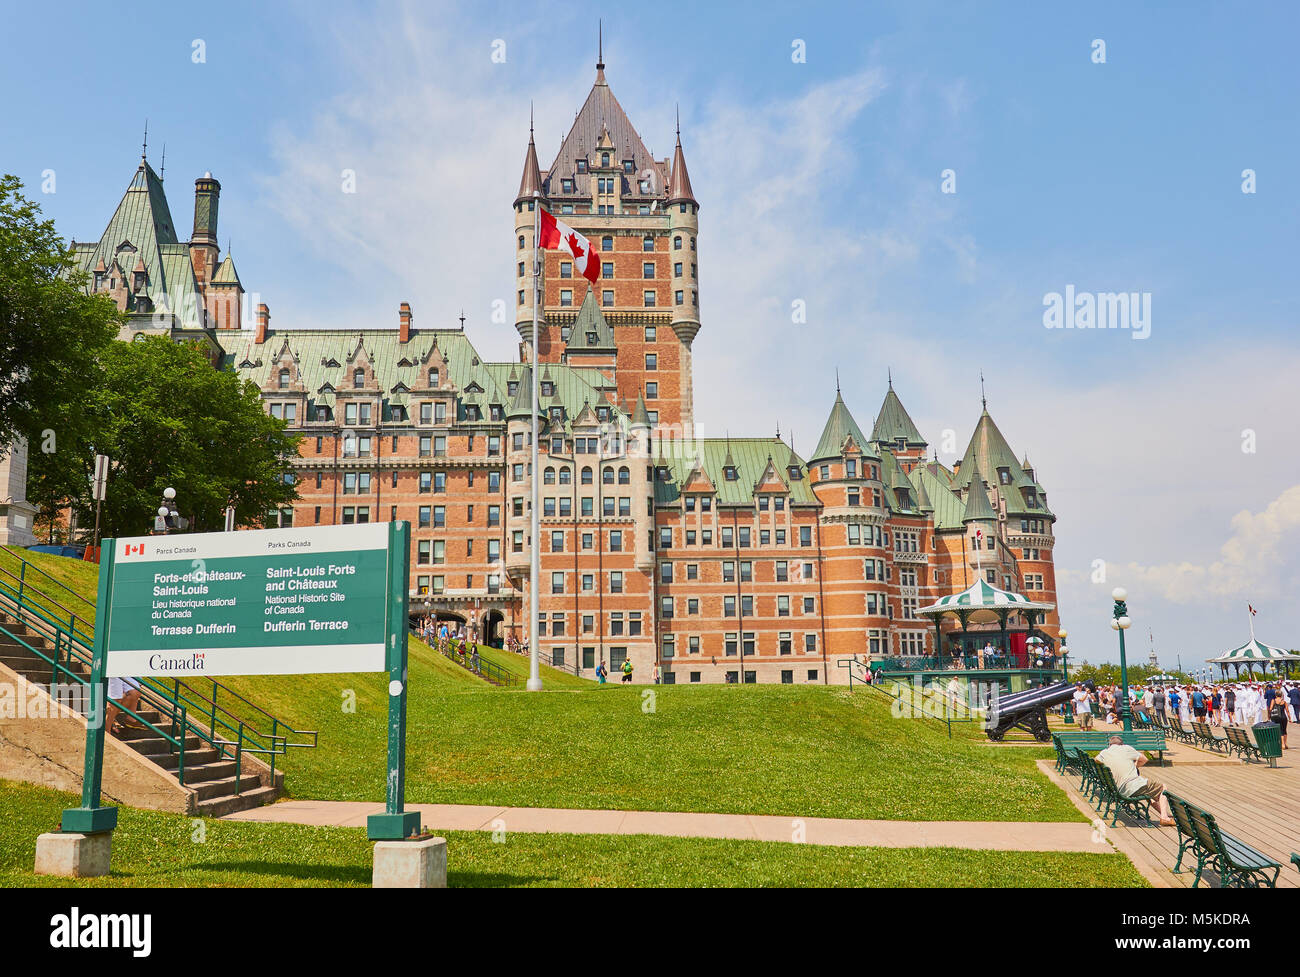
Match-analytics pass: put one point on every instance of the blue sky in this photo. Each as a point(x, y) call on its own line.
point(819, 182)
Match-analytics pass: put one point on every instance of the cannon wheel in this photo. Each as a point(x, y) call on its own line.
point(996, 735)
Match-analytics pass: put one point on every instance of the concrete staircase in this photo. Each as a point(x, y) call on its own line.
point(209, 777)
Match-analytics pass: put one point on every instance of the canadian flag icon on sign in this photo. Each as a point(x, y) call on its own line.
point(135, 549)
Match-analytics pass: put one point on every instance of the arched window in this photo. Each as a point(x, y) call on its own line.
point(677, 243)
point(284, 378)
point(586, 476)
point(548, 476)
point(648, 243)
point(607, 476)
point(624, 476)
point(566, 476)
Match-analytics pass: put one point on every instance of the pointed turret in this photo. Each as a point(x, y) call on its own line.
point(679, 185)
point(978, 508)
point(531, 181)
point(894, 425)
point(640, 416)
point(839, 427)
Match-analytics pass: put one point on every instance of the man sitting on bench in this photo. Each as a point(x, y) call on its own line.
point(1123, 762)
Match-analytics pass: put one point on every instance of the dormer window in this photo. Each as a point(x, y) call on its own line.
point(99, 280)
point(628, 166)
point(567, 186)
point(796, 473)
point(591, 339)
point(1004, 476)
point(582, 166)
point(284, 378)
point(548, 388)
point(604, 159)
point(433, 378)
point(139, 281)
point(729, 473)
point(512, 387)
point(557, 413)
point(473, 413)
point(850, 468)
point(358, 378)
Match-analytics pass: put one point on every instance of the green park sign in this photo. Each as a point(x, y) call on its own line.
point(268, 602)
point(261, 602)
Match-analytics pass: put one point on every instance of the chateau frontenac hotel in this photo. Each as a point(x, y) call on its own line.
point(718, 559)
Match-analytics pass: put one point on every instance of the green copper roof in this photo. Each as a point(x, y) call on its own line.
point(839, 426)
point(989, 452)
point(590, 330)
point(948, 509)
point(893, 422)
point(749, 456)
point(977, 501)
point(225, 273)
point(893, 477)
point(141, 231)
point(640, 416)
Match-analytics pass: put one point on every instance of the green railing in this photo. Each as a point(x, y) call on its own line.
point(890, 690)
point(483, 668)
point(178, 702)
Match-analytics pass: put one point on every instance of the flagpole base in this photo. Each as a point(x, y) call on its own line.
point(534, 685)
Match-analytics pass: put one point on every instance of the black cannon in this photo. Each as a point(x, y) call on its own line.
point(1026, 710)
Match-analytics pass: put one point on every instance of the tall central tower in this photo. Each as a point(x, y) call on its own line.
point(642, 217)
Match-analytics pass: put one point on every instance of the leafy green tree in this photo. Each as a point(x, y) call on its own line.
point(166, 418)
point(51, 331)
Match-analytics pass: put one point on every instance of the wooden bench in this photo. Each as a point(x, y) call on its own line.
point(1066, 758)
point(1090, 741)
point(1181, 732)
point(1141, 720)
point(1205, 737)
point(1241, 744)
point(1239, 865)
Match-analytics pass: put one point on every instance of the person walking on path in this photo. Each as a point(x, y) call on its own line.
point(655, 673)
point(1293, 694)
point(600, 673)
point(1277, 714)
point(1216, 706)
point(1229, 706)
point(627, 670)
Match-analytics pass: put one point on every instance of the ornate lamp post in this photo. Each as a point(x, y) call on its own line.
point(1064, 652)
point(1120, 622)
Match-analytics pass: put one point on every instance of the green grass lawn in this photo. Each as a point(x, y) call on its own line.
point(154, 849)
point(796, 751)
point(80, 576)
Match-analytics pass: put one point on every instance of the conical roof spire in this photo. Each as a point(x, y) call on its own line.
point(680, 180)
point(640, 416)
point(978, 508)
point(600, 52)
point(839, 426)
point(531, 181)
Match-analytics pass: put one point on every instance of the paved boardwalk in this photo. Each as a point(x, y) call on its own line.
point(989, 835)
point(1256, 803)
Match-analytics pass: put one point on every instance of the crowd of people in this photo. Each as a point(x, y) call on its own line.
point(457, 642)
point(1222, 704)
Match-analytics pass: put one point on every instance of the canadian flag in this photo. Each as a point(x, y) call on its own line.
point(557, 235)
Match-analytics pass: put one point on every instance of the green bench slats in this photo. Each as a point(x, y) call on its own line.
point(1205, 737)
point(1238, 864)
point(1098, 783)
point(1147, 740)
point(1240, 744)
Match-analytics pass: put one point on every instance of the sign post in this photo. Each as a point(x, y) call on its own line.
point(396, 823)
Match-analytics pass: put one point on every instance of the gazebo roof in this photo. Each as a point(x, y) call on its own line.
point(982, 596)
point(1255, 650)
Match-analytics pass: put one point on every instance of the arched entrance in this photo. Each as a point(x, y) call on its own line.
point(491, 628)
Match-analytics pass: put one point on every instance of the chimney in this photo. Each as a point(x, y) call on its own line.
point(263, 322)
point(404, 315)
point(203, 240)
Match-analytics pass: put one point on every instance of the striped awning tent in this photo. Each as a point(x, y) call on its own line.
point(983, 601)
point(1254, 650)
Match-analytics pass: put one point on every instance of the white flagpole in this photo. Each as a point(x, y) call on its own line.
point(1250, 618)
point(534, 527)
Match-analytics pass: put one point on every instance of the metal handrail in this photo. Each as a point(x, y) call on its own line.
point(894, 696)
point(176, 741)
point(200, 702)
point(48, 576)
point(487, 670)
point(153, 692)
point(24, 586)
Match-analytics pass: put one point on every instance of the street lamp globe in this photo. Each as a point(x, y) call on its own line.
point(1124, 622)
point(1119, 593)
point(169, 493)
point(164, 511)
point(1114, 624)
